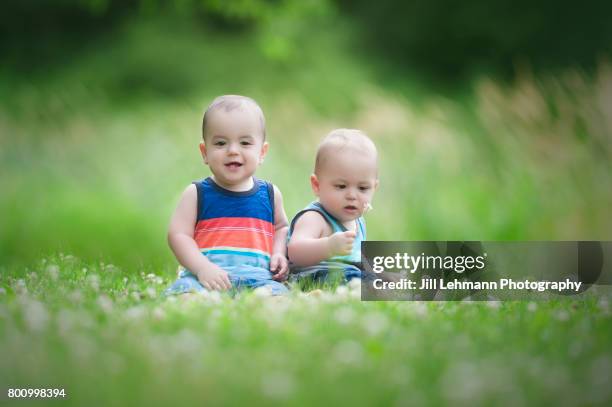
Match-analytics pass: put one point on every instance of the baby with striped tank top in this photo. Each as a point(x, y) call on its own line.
point(229, 230)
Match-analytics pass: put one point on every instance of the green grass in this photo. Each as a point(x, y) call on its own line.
point(95, 152)
point(107, 337)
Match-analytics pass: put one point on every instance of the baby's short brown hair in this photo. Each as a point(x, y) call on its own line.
point(231, 102)
point(340, 139)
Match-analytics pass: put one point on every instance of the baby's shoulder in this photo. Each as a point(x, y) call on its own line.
point(313, 221)
point(190, 192)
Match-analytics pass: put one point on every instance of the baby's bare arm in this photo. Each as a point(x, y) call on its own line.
point(281, 225)
point(278, 263)
point(312, 242)
point(182, 243)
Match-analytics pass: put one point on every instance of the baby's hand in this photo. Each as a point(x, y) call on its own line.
point(341, 243)
point(279, 267)
point(214, 278)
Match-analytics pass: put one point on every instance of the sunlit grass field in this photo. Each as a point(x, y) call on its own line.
point(93, 157)
point(107, 336)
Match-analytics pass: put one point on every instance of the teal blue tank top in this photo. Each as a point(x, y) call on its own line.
point(355, 256)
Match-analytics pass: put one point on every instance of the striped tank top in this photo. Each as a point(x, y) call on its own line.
point(235, 230)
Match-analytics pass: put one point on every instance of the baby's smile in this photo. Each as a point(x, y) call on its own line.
point(233, 164)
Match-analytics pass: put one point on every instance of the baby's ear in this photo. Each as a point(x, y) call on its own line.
point(264, 151)
point(314, 183)
point(203, 152)
point(376, 184)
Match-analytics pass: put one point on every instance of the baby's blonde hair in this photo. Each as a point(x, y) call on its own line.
point(341, 139)
point(231, 102)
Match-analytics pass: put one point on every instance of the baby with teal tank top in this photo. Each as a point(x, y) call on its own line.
point(324, 239)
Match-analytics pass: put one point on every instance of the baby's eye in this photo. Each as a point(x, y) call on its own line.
point(364, 188)
point(245, 143)
point(219, 143)
point(340, 186)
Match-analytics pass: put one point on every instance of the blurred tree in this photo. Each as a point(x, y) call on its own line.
point(34, 33)
point(453, 38)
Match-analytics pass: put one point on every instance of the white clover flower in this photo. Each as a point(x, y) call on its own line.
point(348, 352)
point(135, 313)
point(135, 295)
point(494, 304)
point(159, 280)
point(105, 303)
point(53, 271)
point(94, 282)
point(215, 314)
point(110, 268)
point(562, 315)
point(82, 346)
point(342, 292)
point(151, 292)
point(67, 320)
point(600, 374)
point(463, 383)
point(262, 291)
point(375, 323)
point(150, 277)
point(35, 315)
point(32, 275)
point(2, 291)
point(214, 297)
point(420, 309)
point(171, 298)
point(278, 385)
point(64, 321)
point(159, 314)
point(604, 305)
point(532, 306)
point(186, 342)
point(76, 296)
point(20, 287)
point(344, 315)
point(355, 284)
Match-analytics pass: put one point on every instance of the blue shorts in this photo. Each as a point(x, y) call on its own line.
point(326, 272)
point(188, 282)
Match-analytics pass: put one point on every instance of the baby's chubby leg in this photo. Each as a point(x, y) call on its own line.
point(254, 277)
point(275, 287)
point(185, 283)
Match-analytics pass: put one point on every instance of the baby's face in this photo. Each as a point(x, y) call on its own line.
point(346, 183)
point(234, 147)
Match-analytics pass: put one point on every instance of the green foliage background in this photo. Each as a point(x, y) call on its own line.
point(101, 103)
point(493, 123)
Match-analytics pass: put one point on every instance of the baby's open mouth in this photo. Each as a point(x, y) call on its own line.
point(233, 164)
point(350, 208)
